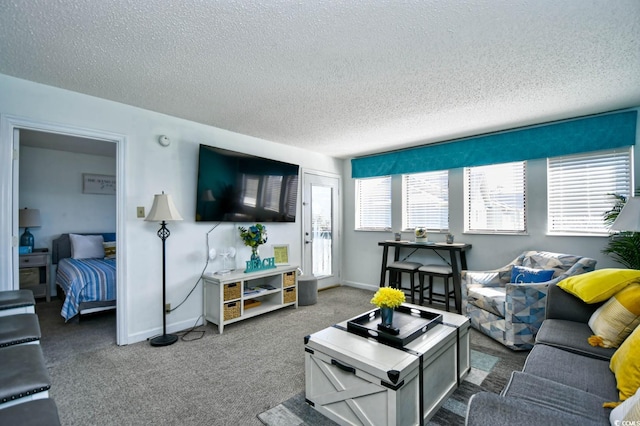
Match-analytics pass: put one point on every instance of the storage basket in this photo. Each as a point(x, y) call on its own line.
point(289, 279)
point(231, 310)
point(29, 276)
point(289, 295)
point(232, 291)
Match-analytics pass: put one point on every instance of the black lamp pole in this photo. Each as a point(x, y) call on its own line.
point(165, 339)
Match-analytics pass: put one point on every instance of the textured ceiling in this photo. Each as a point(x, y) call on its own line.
point(341, 78)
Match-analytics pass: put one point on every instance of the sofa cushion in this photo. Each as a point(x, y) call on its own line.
point(625, 364)
point(490, 299)
point(538, 390)
point(486, 408)
point(522, 274)
point(571, 336)
point(598, 286)
point(617, 318)
point(585, 373)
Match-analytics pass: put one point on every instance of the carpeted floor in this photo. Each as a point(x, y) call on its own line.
point(220, 379)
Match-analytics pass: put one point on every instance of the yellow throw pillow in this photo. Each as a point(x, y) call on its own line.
point(625, 364)
point(598, 286)
point(617, 318)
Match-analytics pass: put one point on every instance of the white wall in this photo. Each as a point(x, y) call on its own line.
point(51, 181)
point(149, 169)
point(488, 251)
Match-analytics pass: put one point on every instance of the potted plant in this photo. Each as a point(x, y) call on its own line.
point(623, 247)
point(387, 299)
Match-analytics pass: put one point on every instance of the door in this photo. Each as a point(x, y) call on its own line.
point(321, 227)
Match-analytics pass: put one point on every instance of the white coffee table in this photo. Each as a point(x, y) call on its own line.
point(355, 380)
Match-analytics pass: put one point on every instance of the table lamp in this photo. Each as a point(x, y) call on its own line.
point(629, 217)
point(28, 218)
point(163, 210)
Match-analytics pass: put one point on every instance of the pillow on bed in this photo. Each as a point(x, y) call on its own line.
point(109, 249)
point(86, 246)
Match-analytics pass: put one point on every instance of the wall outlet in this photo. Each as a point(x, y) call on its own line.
point(140, 211)
point(167, 307)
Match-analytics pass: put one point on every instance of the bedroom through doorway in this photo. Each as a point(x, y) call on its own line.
point(56, 173)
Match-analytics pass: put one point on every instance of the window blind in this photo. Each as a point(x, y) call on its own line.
point(495, 198)
point(373, 204)
point(425, 200)
point(579, 189)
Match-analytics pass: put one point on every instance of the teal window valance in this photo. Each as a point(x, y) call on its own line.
point(596, 133)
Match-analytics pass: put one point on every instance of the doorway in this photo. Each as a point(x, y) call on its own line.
point(10, 137)
point(321, 228)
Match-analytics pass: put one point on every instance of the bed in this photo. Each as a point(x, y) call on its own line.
point(88, 281)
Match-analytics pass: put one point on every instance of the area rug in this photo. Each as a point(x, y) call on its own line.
point(490, 371)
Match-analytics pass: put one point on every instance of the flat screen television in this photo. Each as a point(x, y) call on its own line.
point(237, 187)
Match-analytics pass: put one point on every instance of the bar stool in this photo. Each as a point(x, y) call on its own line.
point(439, 271)
point(19, 329)
point(17, 302)
point(396, 269)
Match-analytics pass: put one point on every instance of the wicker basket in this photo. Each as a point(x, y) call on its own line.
point(231, 310)
point(232, 291)
point(289, 279)
point(289, 295)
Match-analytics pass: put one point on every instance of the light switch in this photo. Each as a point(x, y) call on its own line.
point(140, 211)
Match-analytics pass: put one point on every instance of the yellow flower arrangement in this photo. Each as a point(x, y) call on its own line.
point(388, 297)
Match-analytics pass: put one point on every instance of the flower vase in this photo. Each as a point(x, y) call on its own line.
point(255, 255)
point(386, 314)
point(386, 323)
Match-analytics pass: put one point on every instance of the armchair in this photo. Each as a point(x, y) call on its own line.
point(512, 313)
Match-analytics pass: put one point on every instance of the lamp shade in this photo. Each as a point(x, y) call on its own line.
point(629, 217)
point(207, 195)
point(28, 218)
point(163, 209)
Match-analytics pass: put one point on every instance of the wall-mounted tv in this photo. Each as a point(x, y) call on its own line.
point(237, 187)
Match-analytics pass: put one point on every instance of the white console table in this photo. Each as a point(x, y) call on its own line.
point(237, 296)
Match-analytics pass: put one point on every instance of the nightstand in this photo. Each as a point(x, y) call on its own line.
point(34, 273)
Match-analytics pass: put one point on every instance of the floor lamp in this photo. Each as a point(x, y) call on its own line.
point(163, 210)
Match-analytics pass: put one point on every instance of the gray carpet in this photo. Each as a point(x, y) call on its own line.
point(216, 380)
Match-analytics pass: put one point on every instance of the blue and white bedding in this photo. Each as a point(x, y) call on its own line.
point(85, 280)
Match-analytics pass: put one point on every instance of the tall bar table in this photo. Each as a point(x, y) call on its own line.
point(456, 251)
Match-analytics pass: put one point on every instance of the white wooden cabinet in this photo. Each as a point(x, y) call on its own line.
point(237, 296)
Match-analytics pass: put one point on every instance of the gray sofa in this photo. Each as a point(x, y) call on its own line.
point(564, 380)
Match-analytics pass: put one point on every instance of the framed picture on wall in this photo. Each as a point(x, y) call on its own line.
point(281, 254)
point(98, 184)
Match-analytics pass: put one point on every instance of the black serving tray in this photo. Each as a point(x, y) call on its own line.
point(411, 322)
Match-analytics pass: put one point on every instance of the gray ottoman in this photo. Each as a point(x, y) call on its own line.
point(307, 290)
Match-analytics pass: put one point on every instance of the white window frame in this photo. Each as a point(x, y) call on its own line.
point(579, 189)
point(425, 201)
point(505, 182)
point(373, 204)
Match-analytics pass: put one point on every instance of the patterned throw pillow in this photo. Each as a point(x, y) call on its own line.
point(625, 364)
point(109, 250)
point(629, 410)
point(522, 274)
point(617, 318)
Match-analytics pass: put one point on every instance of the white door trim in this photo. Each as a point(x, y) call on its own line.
point(9, 197)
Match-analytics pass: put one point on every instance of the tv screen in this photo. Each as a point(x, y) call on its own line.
point(237, 187)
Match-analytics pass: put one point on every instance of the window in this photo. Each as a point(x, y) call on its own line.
point(495, 198)
point(579, 189)
point(425, 200)
point(373, 204)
